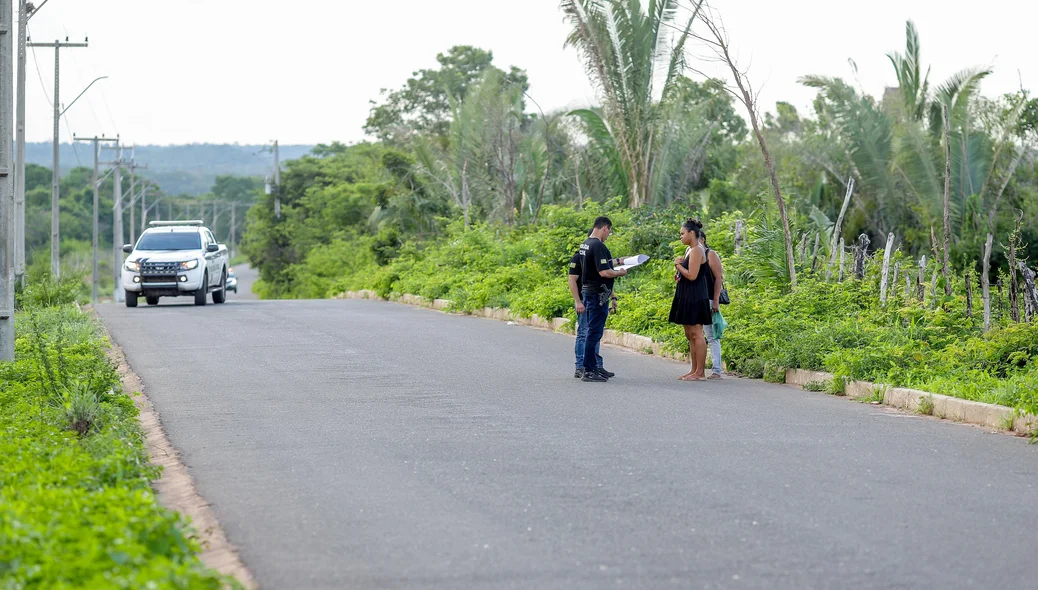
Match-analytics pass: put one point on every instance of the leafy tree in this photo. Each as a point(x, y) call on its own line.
point(423, 105)
point(241, 189)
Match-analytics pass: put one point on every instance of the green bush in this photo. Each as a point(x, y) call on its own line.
point(42, 290)
point(76, 506)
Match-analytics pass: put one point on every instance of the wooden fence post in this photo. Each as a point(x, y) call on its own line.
point(893, 282)
point(1030, 291)
point(738, 236)
point(860, 249)
point(933, 284)
point(1000, 302)
point(969, 295)
point(908, 286)
point(922, 279)
point(814, 254)
point(985, 283)
point(838, 230)
point(842, 249)
point(1014, 286)
point(886, 269)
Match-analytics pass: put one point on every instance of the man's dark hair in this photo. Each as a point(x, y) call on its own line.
point(603, 221)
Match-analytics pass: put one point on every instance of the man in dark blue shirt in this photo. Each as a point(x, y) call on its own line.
point(597, 277)
point(576, 267)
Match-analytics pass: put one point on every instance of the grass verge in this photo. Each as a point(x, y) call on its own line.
point(76, 506)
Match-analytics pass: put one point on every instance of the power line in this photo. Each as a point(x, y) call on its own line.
point(72, 140)
point(90, 104)
point(36, 62)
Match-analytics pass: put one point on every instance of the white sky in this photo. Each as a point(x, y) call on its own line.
point(249, 71)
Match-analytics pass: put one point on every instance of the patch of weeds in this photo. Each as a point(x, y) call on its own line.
point(82, 409)
point(877, 396)
point(818, 385)
point(926, 406)
point(837, 385)
point(1008, 421)
point(774, 373)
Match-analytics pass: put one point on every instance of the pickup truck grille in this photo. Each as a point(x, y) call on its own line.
point(159, 272)
point(160, 268)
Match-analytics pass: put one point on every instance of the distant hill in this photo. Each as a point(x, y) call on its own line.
point(178, 169)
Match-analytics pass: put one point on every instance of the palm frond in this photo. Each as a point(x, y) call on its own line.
point(677, 57)
point(912, 85)
point(955, 94)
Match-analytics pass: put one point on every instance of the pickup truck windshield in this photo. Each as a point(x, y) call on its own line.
point(170, 241)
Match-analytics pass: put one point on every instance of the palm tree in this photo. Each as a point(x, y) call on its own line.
point(623, 47)
point(954, 93)
point(900, 152)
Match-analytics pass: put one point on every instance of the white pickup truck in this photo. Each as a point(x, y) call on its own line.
point(175, 258)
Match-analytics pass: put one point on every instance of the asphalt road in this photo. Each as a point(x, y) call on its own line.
point(355, 444)
point(246, 277)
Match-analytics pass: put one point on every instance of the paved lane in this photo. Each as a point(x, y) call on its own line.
point(369, 445)
point(246, 277)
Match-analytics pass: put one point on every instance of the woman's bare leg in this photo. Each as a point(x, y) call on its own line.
point(698, 346)
point(692, 356)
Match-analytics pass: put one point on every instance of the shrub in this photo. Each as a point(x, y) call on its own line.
point(76, 506)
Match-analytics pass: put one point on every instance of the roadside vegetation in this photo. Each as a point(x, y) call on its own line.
point(76, 506)
point(472, 193)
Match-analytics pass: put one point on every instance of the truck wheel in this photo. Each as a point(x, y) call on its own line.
point(152, 299)
point(131, 299)
point(221, 295)
point(202, 292)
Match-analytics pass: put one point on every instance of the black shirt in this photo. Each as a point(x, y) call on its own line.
point(595, 257)
point(576, 268)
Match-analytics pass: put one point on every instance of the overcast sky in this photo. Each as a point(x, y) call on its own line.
point(250, 71)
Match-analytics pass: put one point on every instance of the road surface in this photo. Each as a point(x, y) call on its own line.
point(357, 444)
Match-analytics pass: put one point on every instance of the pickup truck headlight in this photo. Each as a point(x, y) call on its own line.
point(189, 265)
point(132, 265)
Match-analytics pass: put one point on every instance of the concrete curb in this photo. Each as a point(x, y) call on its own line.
point(942, 406)
point(914, 400)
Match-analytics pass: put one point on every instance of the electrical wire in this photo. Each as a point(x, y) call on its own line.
point(50, 102)
point(36, 62)
point(79, 77)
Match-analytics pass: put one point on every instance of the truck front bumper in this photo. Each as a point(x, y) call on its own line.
point(184, 282)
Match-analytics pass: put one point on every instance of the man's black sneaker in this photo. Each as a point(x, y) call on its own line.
point(578, 373)
point(606, 374)
point(594, 377)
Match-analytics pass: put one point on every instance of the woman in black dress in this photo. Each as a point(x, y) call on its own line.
point(691, 306)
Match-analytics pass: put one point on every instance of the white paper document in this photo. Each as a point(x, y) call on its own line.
point(632, 261)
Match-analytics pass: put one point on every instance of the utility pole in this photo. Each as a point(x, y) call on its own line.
point(144, 207)
point(97, 188)
point(6, 188)
point(19, 156)
point(133, 166)
point(55, 235)
point(117, 227)
point(234, 226)
point(276, 187)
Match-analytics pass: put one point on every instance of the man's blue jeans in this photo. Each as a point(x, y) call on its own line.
point(596, 309)
point(581, 339)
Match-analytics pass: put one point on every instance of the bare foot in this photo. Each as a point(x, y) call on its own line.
point(682, 378)
point(690, 377)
